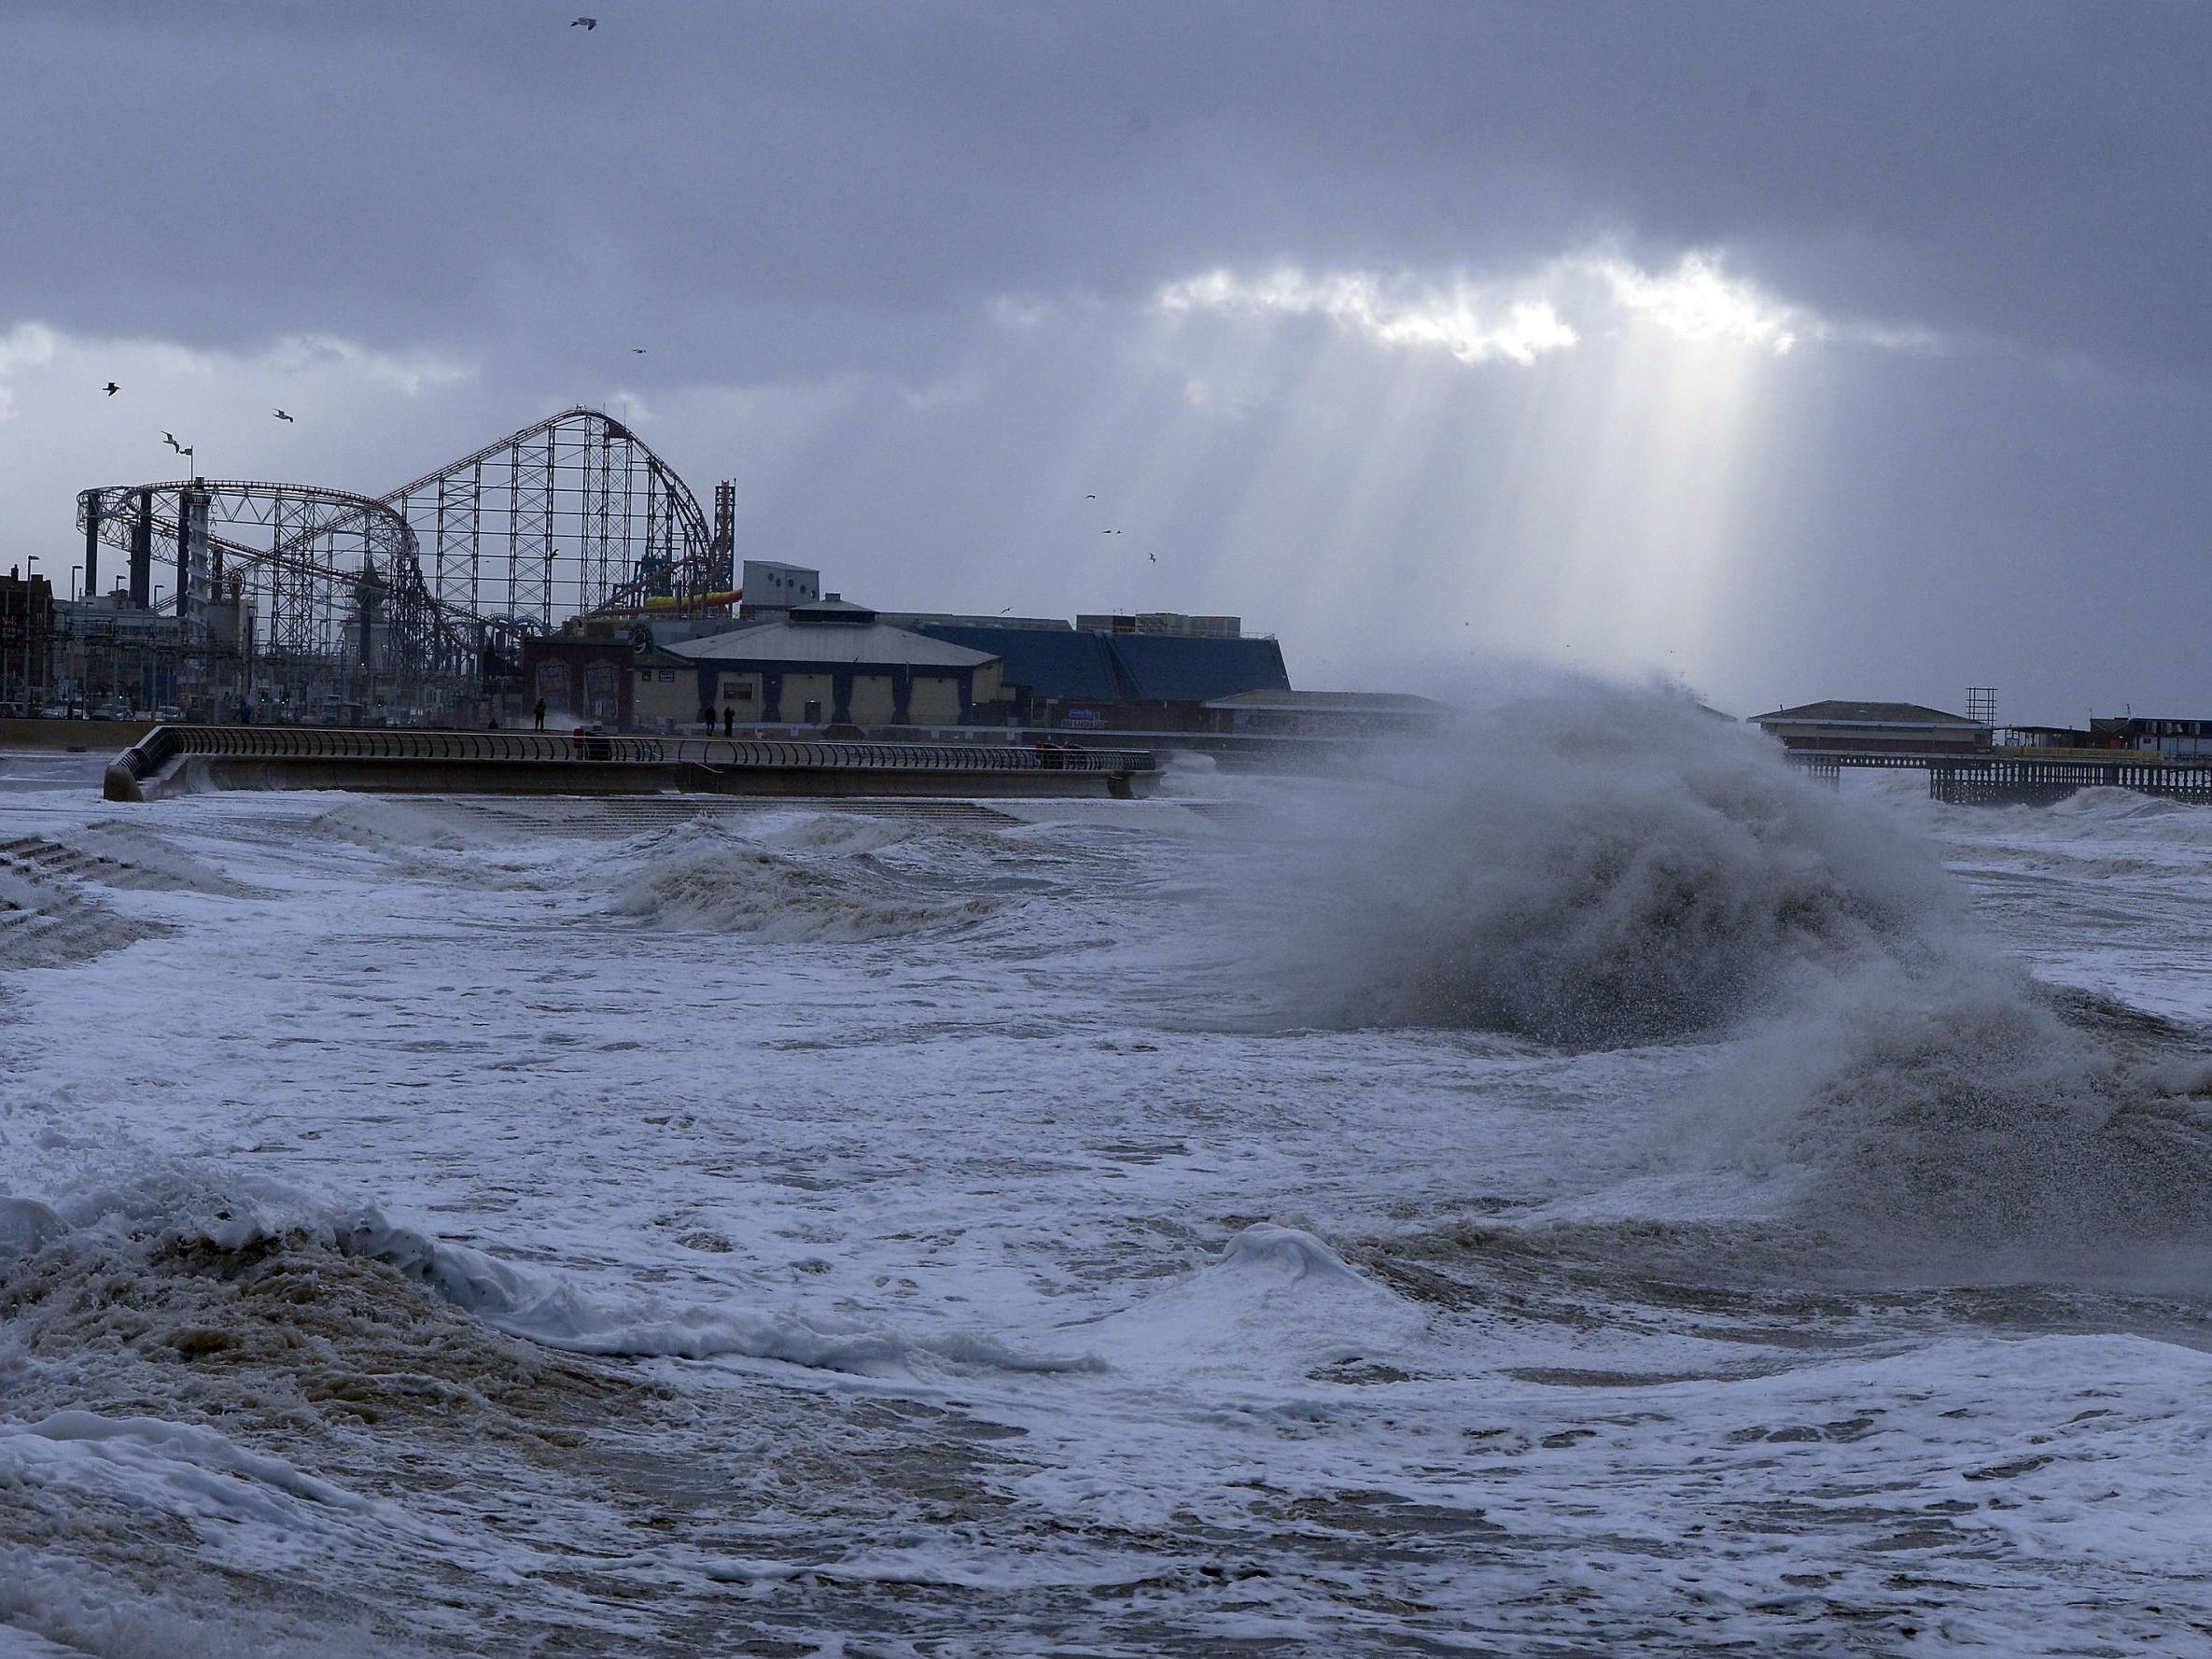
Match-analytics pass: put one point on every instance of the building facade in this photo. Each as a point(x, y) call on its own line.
point(1866, 728)
point(26, 641)
point(830, 663)
point(2167, 739)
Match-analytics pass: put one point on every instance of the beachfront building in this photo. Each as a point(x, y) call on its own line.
point(1889, 728)
point(2167, 739)
point(823, 663)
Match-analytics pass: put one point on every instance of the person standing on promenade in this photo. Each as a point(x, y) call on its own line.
point(537, 713)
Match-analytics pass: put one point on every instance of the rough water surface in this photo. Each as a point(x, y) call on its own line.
point(1607, 1195)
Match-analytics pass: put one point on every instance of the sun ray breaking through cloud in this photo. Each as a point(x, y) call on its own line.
point(1589, 480)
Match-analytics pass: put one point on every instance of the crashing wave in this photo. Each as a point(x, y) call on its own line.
point(1606, 869)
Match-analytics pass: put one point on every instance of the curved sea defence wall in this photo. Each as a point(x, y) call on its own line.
point(179, 759)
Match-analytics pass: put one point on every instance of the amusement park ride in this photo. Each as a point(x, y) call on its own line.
point(416, 602)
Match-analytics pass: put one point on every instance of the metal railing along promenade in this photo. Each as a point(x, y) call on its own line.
point(168, 743)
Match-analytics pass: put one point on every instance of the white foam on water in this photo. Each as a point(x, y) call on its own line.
point(1596, 1190)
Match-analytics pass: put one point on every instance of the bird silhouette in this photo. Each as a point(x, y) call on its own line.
point(170, 439)
point(111, 389)
point(1153, 557)
point(587, 24)
point(282, 416)
point(636, 351)
point(1090, 498)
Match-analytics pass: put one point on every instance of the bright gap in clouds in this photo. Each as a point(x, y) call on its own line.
point(1472, 322)
point(1586, 495)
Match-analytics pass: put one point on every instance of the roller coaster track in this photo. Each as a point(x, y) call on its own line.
point(574, 513)
point(306, 589)
point(575, 506)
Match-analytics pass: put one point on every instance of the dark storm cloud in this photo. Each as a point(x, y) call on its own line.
point(810, 186)
point(421, 225)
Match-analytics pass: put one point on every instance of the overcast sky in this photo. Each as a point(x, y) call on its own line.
point(1795, 351)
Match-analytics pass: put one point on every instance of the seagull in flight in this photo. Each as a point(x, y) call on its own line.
point(1153, 557)
point(636, 351)
point(282, 416)
point(111, 389)
point(586, 24)
point(170, 439)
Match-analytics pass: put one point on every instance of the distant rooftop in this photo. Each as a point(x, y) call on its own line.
point(868, 642)
point(1161, 622)
point(920, 619)
point(1845, 713)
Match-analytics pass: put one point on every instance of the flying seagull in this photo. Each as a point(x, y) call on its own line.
point(111, 389)
point(170, 439)
point(636, 351)
point(1090, 498)
point(282, 416)
point(1153, 557)
point(587, 24)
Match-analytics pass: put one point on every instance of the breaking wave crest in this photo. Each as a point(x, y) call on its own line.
point(1962, 1109)
point(147, 1263)
point(1617, 869)
point(1607, 869)
point(702, 878)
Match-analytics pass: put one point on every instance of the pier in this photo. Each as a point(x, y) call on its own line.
point(2020, 780)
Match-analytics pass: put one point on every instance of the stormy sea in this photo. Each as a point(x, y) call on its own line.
point(1582, 1189)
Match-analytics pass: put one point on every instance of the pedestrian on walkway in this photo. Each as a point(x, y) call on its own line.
point(537, 713)
point(729, 721)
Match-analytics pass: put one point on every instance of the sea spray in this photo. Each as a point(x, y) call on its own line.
point(1598, 869)
point(1603, 869)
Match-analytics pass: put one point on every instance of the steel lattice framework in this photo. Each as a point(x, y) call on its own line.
point(333, 591)
point(571, 516)
point(428, 586)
